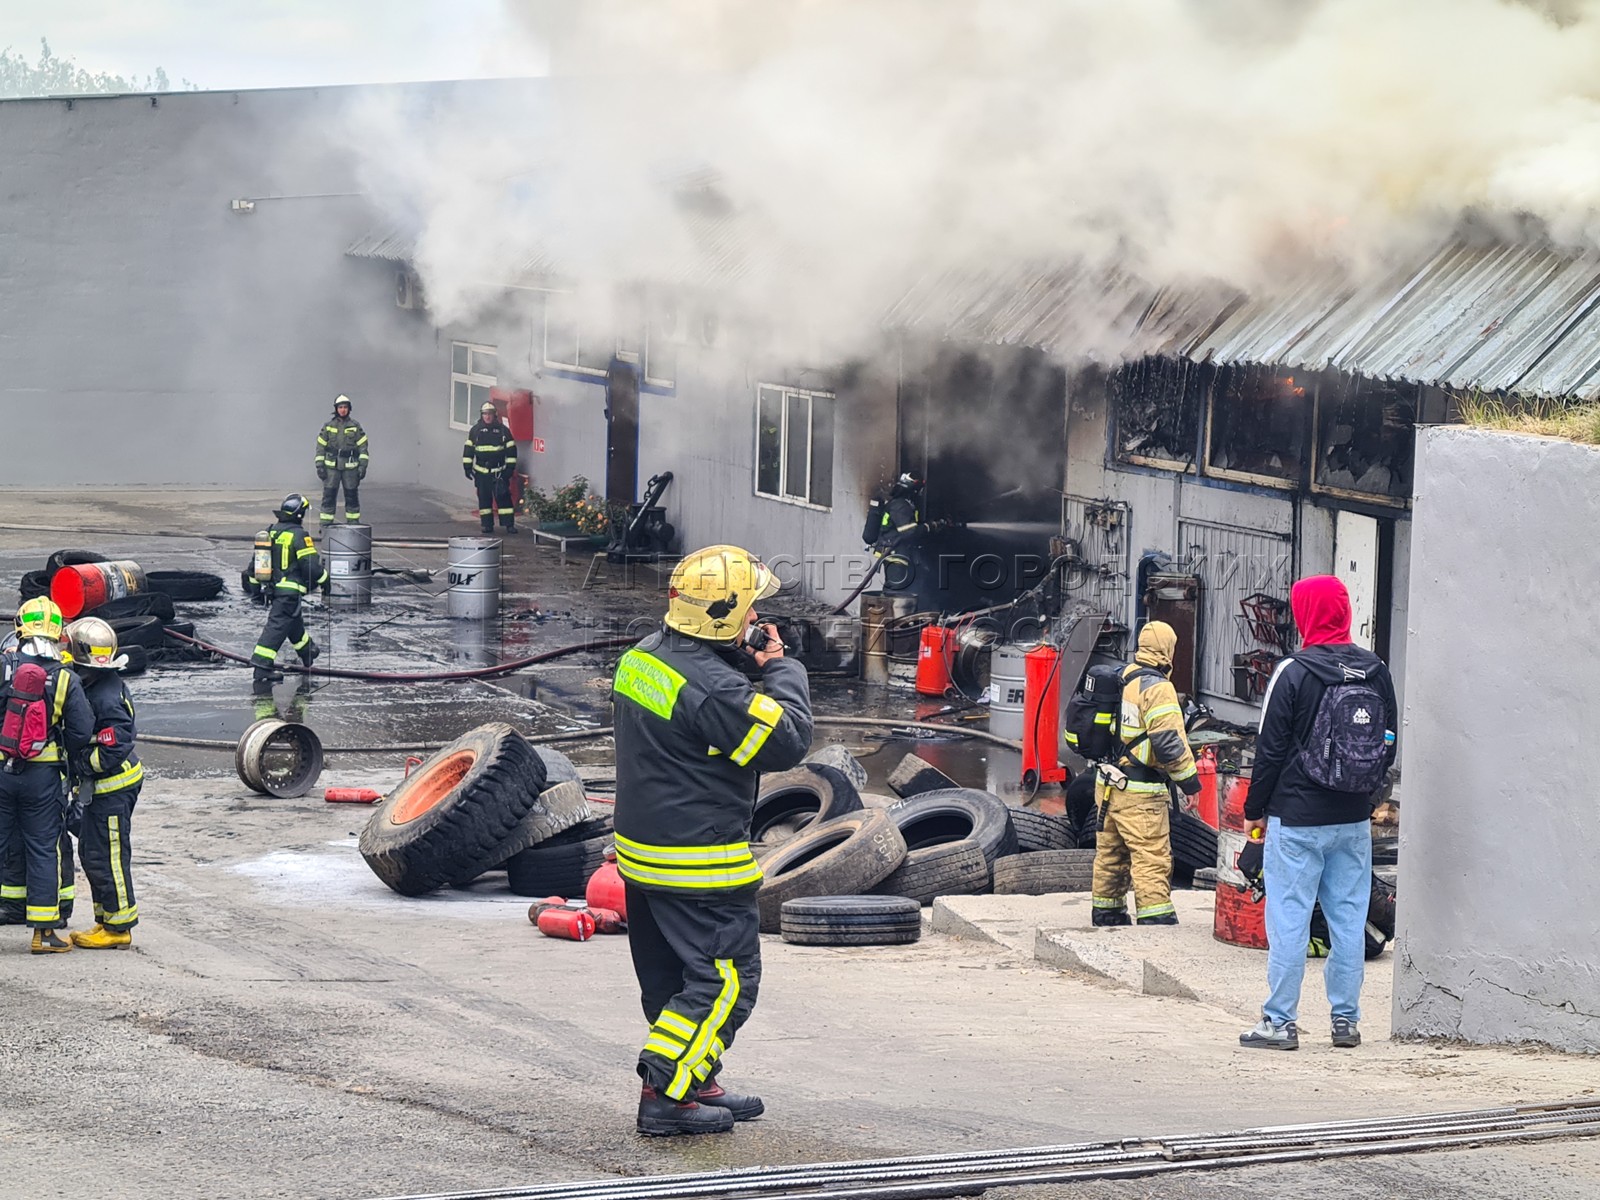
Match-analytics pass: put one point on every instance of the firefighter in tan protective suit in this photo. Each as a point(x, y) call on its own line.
point(1134, 793)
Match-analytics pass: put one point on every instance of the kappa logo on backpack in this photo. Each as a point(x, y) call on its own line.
point(1347, 746)
point(25, 725)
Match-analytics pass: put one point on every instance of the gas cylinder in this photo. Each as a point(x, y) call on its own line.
point(538, 906)
point(605, 889)
point(1239, 920)
point(1206, 802)
point(1041, 709)
point(607, 920)
point(573, 924)
point(337, 795)
point(933, 660)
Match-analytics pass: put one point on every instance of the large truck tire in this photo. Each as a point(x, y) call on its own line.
point(847, 856)
point(951, 814)
point(953, 869)
point(840, 759)
point(558, 768)
point(1044, 873)
point(185, 586)
point(1041, 831)
point(851, 921)
point(557, 869)
point(450, 818)
point(810, 794)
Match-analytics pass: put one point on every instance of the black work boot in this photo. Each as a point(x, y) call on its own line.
point(663, 1117)
point(263, 679)
point(12, 916)
point(1163, 919)
point(743, 1108)
point(1109, 917)
point(310, 654)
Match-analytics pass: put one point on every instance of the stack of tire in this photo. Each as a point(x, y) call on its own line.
point(141, 621)
point(482, 802)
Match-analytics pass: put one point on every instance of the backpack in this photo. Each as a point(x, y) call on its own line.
point(1093, 720)
point(25, 723)
point(1347, 747)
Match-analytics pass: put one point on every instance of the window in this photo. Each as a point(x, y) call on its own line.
point(1366, 430)
point(473, 371)
point(1258, 426)
point(794, 445)
point(576, 338)
point(662, 334)
point(1157, 404)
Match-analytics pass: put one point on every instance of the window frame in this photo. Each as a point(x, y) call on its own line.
point(1372, 498)
point(1275, 482)
point(810, 395)
point(572, 368)
point(470, 378)
point(1115, 429)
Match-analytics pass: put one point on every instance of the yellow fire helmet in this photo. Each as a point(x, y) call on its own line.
point(39, 618)
point(712, 590)
point(93, 644)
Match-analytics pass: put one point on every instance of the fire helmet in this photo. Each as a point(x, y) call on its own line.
point(489, 407)
point(341, 399)
point(93, 643)
point(713, 590)
point(39, 618)
point(908, 484)
point(294, 507)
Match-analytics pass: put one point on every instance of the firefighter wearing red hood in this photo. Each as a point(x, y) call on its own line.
point(1134, 794)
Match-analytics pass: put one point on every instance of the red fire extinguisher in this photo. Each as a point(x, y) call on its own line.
point(575, 924)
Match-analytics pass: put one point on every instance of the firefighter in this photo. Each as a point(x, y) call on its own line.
point(489, 459)
point(692, 734)
point(341, 459)
point(112, 765)
point(296, 570)
point(898, 531)
point(31, 782)
point(1134, 793)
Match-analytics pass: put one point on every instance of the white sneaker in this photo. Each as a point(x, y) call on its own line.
point(1267, 1036)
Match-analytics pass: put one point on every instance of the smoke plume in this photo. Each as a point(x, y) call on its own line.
point(858, 145)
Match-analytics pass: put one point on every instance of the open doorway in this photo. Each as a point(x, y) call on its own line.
point(622, 433)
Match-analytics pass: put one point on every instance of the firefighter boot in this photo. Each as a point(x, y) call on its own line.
point(101, 938)
point(1106, 917)
point(662, 1117)
point(743, 1108)
point(1162, 919)
point(309, 654)
point(263, 679)
point(48, 941)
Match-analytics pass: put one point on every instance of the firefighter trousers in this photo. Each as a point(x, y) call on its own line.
point(105, 848)
point(494, 490)
point(32, 815)
point(698, 961)
point(350, 479)
point(14, 879)
point(1135, 847)
point(283, 623)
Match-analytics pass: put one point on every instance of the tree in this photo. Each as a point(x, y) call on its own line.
point(53, 76)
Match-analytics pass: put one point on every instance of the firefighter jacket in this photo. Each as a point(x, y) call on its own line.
point(342, 445)
point(71, 719)
point(1151, 723)
point(489, 449)
point(296, 566)
point(901, 521)
point(111, 761)
point(692, 734)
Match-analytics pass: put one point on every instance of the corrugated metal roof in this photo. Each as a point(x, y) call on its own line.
point(388, 244)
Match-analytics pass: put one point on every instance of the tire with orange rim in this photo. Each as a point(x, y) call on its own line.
point(451, 817)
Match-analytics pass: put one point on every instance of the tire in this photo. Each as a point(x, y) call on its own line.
point(1381, 907)
point(851, 921)
point(141, 604)
point(558, 768)
point(34, 584)
point(138, 661)
point(1041, 831)
point(556, 810)
point(938, 818)
point(557, 870)
point(139, 631)
point(954, 869)
point(847, 856)
point(812, 793)
point(1044, 872)
point(1080, 799)
point(1194, 843)
point(71, 558)
point(185, 586)
point(449, 820)
point(186, 628)
point(840, 759)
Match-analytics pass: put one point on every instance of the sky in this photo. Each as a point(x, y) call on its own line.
point(226, 44)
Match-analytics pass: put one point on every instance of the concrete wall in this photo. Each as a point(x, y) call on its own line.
point(1500, 895)
point(157, 337)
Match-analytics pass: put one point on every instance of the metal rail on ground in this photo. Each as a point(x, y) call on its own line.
point(940, 1175)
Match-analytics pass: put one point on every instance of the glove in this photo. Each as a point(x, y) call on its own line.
point(1250, 863)
point(322, 473)
point(361, 474)
point(467, 471)
point(1190, 786)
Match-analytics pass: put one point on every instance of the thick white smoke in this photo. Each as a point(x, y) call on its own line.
point(866, 142)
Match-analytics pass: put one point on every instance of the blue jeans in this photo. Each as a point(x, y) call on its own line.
point(1305, 864)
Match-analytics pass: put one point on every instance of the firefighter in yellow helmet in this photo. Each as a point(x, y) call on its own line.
point(112, 765)
point(692, 734)
point(1134, 793)
point(47, 720)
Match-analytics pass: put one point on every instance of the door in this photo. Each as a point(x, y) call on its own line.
point(1356, 561)
point(622, 433)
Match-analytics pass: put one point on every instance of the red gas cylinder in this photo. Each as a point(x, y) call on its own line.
point(337, 795)
point(606, 890)
point(1240, 921)
point(1206, 801)
point(77, 590)
point(933, 661)
point(1041, 708)
point(573, 924)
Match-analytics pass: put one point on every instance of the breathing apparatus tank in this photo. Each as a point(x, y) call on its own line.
point(261, 560)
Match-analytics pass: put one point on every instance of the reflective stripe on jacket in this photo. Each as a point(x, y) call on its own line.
point(341, 444)
point(692, 734)
point(112, 761)
point(1150, 705)
point(296, 565)
point(489, 448)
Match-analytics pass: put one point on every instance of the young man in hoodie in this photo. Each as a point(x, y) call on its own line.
point(1327, 738)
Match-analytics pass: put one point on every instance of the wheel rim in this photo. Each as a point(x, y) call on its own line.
point(431, 786)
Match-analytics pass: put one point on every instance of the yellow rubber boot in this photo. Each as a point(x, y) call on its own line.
point(101, 938)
